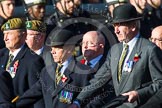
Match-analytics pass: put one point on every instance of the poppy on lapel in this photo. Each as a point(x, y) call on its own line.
point(82, 61)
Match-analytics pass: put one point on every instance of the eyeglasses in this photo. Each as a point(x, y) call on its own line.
point(90, 44)
point(155, 39)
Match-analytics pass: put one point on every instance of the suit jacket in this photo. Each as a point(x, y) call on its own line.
point(77, 76)
point(28, 68)
point(145, 76)
point(6, 90)
point(155, 101)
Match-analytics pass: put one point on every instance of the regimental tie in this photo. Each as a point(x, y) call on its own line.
point(10, 59)
point(121, 61)
point(58, 73)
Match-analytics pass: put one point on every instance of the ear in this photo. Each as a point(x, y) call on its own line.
point(134, 27)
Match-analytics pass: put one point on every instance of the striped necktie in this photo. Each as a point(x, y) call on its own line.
point(121, 61)
point(58, 73)
point(10, 59)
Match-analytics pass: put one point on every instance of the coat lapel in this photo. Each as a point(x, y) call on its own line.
point(125, 77)
point(67, 73)
point(51, 72)
point(115, 60)
point(20, 54)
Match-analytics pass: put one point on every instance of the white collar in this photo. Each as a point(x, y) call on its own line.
point(16, 51)
point(39, 51)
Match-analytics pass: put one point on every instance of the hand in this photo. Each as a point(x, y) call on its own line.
point(133, 96)
point(73, 106)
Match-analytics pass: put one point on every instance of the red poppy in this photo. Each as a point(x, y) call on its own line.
point(136, 58)
point(64, 78)
point(82, 61)
point(16, 64)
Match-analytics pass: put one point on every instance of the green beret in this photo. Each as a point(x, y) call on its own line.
point(61, 37)
point(34, 2)
point(36, 25)
point(14, 23)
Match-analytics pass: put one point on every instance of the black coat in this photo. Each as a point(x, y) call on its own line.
point(77, 77)
point(6, 90)
point(28, 69)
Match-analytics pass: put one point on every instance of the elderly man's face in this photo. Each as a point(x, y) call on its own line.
point(61, 53)
point(14, 39)
point(8, 7)
point(156, 37)
point(124, 31)
point(91, 46)
point(34, 39)
point(57, 53)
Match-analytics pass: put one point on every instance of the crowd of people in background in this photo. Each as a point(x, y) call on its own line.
point(72, 60)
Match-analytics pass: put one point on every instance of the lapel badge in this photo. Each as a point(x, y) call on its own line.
point(128, 67)
point(16, 64)
point(12, 70)
point(65, 97)
point(82, 61)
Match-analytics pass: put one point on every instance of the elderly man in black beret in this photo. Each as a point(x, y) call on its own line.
point(134, 64)
point(60, 83)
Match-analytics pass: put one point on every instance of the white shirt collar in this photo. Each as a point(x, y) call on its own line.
point(16, 52)
point(39, 51)
point(65, 64)
point(132, 42)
